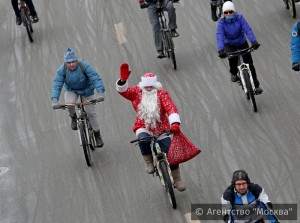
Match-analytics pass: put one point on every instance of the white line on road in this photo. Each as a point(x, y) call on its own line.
point(188, 217)
point(119, 30)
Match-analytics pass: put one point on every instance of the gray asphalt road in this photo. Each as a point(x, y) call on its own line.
point(44, 177)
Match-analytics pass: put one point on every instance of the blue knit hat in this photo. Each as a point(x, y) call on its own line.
point(70, 56)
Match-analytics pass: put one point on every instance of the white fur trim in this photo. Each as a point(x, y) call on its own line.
point(228, 6)
point(122, 88)
point(157, 85)
point(149, 81)
point(140, 130)
point(174, 118)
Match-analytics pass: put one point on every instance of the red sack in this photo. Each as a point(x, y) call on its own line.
point(181, 149)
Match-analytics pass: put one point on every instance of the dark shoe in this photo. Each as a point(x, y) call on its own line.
point(234, 78)
point(74, 122)
point(18, 21)
point(99, 142)
point(214, 16)
point(161, 55)
point(174, 33)
point(35, 19)
point(258, 90)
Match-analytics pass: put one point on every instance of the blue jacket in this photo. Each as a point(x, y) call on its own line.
point(233, 32)
point(76, 81)
point(295, 44)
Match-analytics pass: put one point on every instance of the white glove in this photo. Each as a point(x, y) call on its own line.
point(99, 97)
point(55, 104)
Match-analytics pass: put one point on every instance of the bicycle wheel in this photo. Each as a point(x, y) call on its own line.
point(27, 23)
point(250, 94)
point(85, 146)
point(168, 184)
point(91, 137)
point(170, 46)
point(219, 8)
point(292, 7)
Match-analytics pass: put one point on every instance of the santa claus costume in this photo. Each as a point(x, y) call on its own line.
point(155, 112)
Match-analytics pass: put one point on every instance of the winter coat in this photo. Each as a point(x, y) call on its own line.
point(233, 32)
point(168, 110)
point(295, 43)
point(76, 81)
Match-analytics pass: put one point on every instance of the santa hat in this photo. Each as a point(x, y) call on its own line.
point(148, 80)
point(228, 6)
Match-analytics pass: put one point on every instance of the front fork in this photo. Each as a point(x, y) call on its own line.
point(241, 68)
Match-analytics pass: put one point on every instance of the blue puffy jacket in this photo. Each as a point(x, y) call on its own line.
point(76, 81)
point(295, 44)
point(233, 32)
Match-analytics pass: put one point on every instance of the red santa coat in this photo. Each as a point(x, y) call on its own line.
point(168, 111)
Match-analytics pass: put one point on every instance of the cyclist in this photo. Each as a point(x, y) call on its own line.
point(295, 46)
point(30, 5)
point(243, 192)
point(78, 78)
point(231, 36)
point(155, 113)
point(154, 20)
point(213, 8)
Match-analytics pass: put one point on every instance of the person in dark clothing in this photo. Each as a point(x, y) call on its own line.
point(30, 5)
point(213, 8)
point(231, 36)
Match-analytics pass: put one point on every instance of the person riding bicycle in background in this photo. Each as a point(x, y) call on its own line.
point(231, 36)
point(155, 113)
point(167, 5)
point(213, 8)
point(78, 80)
point(30, 5)
point(295, 46)
point(243, 192)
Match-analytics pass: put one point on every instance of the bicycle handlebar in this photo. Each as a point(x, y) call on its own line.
point(240, 52)
point(94, 101)
point(150, 138)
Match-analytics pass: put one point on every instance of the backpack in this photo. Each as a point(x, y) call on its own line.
point(80, 66)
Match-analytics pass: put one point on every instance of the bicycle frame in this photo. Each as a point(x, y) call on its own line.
point(25, 17)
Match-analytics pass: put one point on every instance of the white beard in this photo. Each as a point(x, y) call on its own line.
point(148, 109)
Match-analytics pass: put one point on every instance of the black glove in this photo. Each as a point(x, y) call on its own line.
point(270, 205)
point(222, 54)
point(226, 218)
point(296, 66)
point(255, 45)
point(143, 4)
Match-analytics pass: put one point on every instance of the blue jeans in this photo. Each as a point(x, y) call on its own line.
point(164, 144)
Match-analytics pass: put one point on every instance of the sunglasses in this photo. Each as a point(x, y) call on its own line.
point(228, 12)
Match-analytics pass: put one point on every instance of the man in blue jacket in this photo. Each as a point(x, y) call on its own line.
point(243, 195)
point(295, 46)
point(231, 36)
point(79, 79)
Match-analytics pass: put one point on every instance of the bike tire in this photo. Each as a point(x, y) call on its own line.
point(168, 184)
point(250, 93)
point(27, 25)
point(292, 8)
point(85, 146)
point(170, 46)
point(220, 8)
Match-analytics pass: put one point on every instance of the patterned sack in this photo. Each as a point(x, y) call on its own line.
point(181, 149)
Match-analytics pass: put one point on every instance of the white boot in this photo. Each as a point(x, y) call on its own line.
point(178, 182)
point(149, 167)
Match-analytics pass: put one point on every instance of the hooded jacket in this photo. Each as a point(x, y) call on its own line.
point(76, 81)
point(233, 31)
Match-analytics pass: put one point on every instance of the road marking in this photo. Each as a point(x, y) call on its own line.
point(3, 170)
point(188, 217)
point(119, 30)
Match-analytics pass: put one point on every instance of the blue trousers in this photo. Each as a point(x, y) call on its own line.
point(164, 144)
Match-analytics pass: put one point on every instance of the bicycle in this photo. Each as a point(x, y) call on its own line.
point(161, 165)
point(86, 132)
point(219, 5)
point(245, 76)
point(290, 4)
point(167, 41)
point(26, 20)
